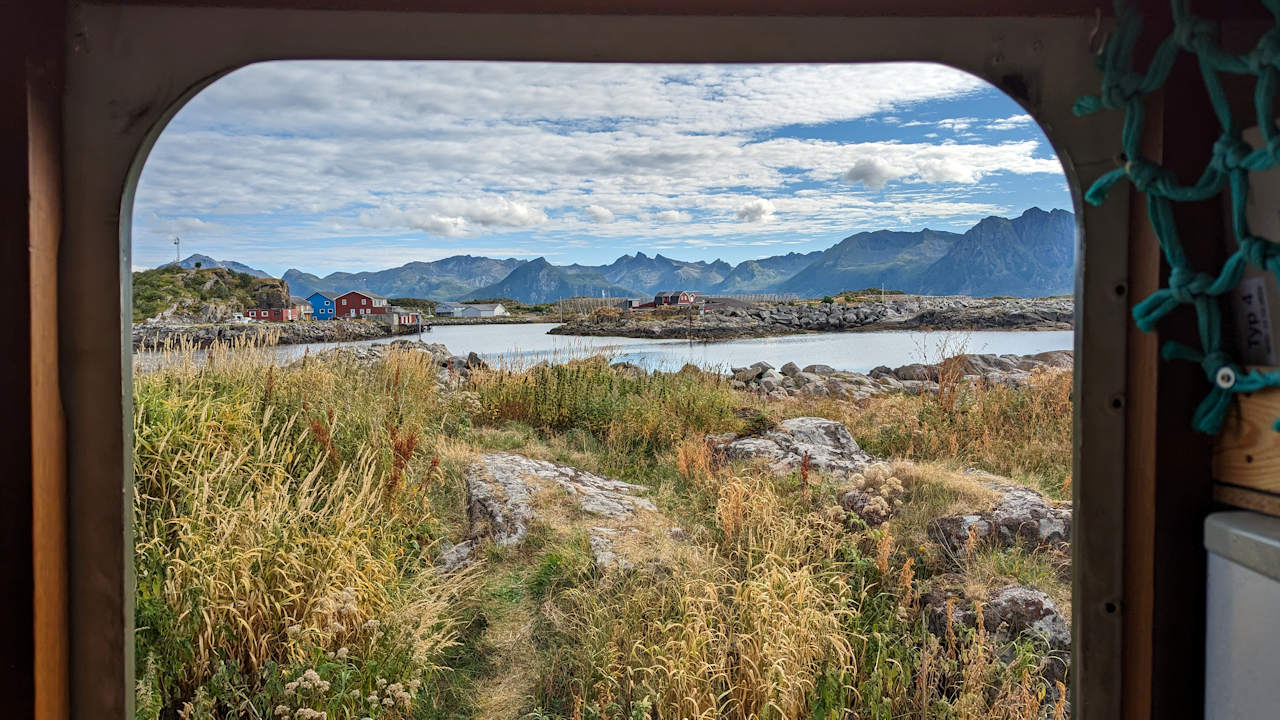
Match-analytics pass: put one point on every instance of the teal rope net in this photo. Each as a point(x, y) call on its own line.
point(1123, 89)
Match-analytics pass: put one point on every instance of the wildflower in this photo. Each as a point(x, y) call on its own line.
point(382, 682)
point(282, 710)
point(342, 653)
point(371, 625)
point(294, 630)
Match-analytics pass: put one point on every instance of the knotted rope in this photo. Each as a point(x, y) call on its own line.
point(1123, 89)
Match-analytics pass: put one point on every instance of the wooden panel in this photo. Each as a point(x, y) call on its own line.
point(48, 443)
point(1247, 452)
point(1143, 368)
point(845, 8)
point(1247, 499)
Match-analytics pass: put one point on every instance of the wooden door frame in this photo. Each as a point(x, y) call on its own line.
point(130, 66)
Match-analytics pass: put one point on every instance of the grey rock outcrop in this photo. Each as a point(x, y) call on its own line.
point(824, 381)
point(1010, 612)
point(1021, 517)
point(826, 443)
point(501, 490)
point(722, 320)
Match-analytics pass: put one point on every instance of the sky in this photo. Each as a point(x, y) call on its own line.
point(349, 166)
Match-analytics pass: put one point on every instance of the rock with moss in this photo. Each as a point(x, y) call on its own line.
point(824, 445)
point(1022, 517)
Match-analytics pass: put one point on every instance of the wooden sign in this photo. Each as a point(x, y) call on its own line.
point(1246, 456)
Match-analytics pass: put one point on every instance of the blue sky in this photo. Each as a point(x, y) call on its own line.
point(328, 166)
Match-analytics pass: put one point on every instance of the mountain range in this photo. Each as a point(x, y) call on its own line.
point(204, 261)
point(1031, 255)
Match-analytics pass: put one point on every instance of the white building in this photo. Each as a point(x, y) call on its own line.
point(452, 309)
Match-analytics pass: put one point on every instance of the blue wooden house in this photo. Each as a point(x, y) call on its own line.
point(322, 305)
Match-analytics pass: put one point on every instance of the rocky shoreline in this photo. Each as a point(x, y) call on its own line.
point(740, 320)
point(790, 380)
point(147, 336)
point(825, 381)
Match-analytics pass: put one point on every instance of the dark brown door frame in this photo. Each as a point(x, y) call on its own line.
point(129, 67)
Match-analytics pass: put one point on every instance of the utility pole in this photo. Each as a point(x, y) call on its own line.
point(177, 249)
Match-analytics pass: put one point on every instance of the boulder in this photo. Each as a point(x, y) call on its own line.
point(790, 369)
point(474, 362)
point(824, 370)
point(500, 492)
point(456, 556)
point(916, 371)
point(873, 509)
point(828, 445)
point(1009, 613)
point(1021, 517)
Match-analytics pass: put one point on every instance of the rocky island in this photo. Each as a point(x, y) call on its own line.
point(720, 320)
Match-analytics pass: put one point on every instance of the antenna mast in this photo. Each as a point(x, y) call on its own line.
point(177, 249)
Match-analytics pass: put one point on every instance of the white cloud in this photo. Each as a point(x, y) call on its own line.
point(756, 210)
point(597, 214)
point(874, 172)
point(957, 124)
point(278, 158)
point(670, 216)
point(1013, 122)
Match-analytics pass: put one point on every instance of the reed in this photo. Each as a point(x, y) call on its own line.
point(282, 543)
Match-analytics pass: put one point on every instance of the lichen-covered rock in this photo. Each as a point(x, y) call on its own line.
point(499, 498)
point(872, 509)
point(501, 489)
point(826, 443)
point(456, 556)
point(1008, 613)
point(1021, 517)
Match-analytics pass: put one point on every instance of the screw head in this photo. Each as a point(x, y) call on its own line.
point(1226, 378)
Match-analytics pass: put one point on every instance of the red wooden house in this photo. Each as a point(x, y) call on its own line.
point(673, 297)
point(289, 314)
point(359, 303)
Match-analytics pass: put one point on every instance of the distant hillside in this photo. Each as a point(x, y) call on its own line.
point(202, 295)
point(538, 281)
point(649, 275)
point(447, 279)
point(1031, 255)
point(871, 259)
point(763, 275)
point(204, 261)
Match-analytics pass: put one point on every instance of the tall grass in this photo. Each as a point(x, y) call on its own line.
point(284, 530)
point(1021, 432)
point(641, 414)
point(794, 614)
point(288, 517)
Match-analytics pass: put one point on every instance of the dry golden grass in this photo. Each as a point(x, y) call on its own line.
point(281, 510)
point(1021, 433)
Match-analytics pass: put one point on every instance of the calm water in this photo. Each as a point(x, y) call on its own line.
point(855, 351)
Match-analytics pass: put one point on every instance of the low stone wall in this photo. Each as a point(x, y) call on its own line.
point(152, 335)
point(737, 320)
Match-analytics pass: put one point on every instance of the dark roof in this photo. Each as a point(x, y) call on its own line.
point(329, 295)
point(365, 293)
point(671, 293)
